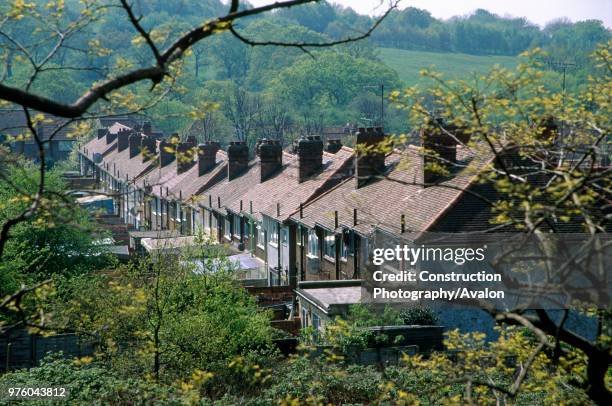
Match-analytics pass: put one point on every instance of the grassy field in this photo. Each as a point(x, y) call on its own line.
point(452, 65)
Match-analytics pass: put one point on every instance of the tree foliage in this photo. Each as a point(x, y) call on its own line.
point(160, 319)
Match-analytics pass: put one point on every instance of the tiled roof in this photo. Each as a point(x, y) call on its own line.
point(94, 146)
point(132, 167)
point(191, 185)
point(159, 177)
point(282, 187)
point(99, 145)
point(381, 203)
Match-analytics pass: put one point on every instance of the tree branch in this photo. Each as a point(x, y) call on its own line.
point(304, 45)
point(154, 73)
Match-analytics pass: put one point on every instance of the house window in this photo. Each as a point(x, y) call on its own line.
point(261, 236)
point(316, 321)
point(206, 219)
point(179, 212)
point(184, 214)
point(300, 235)
point(273, 233)
point(330, 245)
point(227, 230)
point(236, 226)
point(347, 248)
point(155, 204)
point(171, 210)
point(284, 236)
point(304, 317)
point(313, 244)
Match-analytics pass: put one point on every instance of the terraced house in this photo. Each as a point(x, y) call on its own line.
point(308, 213)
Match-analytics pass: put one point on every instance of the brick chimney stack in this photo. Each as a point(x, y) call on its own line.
point(147, 129)
point(270, 158)
point(237, 159)
point(110, 137)
point(369, 163)
point(123, 139)
point(135, 141)
point(310, 156)
point(148, 146)
point(185, 152)
point(440, 143)
point(207, 156)
point(333, 145)
point(166, 152)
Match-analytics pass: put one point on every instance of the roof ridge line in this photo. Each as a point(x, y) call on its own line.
point(348, 161)
point(342, 182)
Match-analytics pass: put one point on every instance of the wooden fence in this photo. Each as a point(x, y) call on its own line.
point(20, 349)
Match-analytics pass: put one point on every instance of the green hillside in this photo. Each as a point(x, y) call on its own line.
point(452, 65)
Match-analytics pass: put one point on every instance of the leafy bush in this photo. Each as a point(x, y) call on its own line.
point(89, 383)
point(163, 319)
point(419, 316)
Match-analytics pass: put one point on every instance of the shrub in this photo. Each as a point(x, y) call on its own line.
point(422, 316)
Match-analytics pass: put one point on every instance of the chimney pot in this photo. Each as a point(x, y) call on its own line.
point(333, 145)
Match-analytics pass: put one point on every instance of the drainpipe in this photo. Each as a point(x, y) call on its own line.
point(278, 251)
point(180, 210)
point(356, 271)
point(337, 255)
point(302, 274)
point(167, 213)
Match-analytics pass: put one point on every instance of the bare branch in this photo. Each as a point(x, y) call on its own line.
point(304, 45)
point(144, 34)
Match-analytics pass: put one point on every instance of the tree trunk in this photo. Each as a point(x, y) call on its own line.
point(597, 368)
